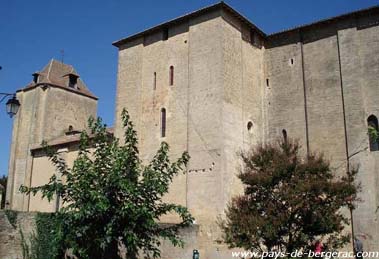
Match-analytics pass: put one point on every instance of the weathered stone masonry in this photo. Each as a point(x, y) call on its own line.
point(317, 83)
point(223, 85)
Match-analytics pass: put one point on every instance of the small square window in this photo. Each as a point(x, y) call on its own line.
point(72, 81)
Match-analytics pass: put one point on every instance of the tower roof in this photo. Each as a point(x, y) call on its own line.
point(218, 6)
point(57, 74)
point(223, 6)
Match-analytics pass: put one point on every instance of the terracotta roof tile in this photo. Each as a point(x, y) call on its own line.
point(65, 139)
point(56, 74)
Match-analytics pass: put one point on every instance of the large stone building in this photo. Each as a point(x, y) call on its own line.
point(55, 106)
point(212, 83)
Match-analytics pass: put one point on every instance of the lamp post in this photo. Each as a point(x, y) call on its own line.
point(12, 104)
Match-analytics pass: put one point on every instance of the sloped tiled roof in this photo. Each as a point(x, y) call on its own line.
point(56, 74)
point(66, 139)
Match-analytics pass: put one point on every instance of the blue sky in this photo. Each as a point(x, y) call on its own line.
point(33, 32)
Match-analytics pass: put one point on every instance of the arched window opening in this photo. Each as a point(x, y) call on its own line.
point(163, 122)
point(171, 75)
point(70, 130)
point(249, 126)
point(284, 134)
point(373, 137)
point(155, 81)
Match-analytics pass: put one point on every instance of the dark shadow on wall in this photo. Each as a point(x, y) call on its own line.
point(324, 29)
point(166, 31)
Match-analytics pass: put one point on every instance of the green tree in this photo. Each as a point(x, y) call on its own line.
point(373, 133)
point(112, 199)
point(288, 201)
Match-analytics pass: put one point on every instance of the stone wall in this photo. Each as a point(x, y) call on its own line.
point(10, 236)
point(207, 112)
point(45, 113)
point(324, 96)
point(11, 240)
point(319, 84)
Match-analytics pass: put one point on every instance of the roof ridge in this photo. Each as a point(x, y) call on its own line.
point(55, 73)
point(325, 19)
point(247, 21)
point(181, 18)
point(49, 69)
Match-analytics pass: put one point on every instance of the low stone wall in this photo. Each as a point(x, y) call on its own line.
point(10, 232)
point(11, 240)
point(191, 242)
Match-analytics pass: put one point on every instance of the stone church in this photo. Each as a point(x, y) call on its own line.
point(212, 83)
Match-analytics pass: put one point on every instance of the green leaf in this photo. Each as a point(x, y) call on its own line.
point(111, 197)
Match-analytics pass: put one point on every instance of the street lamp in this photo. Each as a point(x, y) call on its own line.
point(12, 104)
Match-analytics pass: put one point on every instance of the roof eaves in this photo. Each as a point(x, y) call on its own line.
point(244, 19)
point(58, 86)
point(68, 140)
point(71, 73)
point(168, 23)
point(63, 143)
point(185, 17)
point(327, 20)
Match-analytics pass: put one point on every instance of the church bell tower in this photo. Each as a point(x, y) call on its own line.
point(56, 100)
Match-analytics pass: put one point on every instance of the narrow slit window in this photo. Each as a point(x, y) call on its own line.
point(171, 75)
point(284, 134)
point(249, 126)
point(267, 82)
point(155, 81)
point(372, 123)
point(163, 122)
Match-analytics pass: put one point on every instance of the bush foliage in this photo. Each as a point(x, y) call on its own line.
point(111, 199)
point(288, 201)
